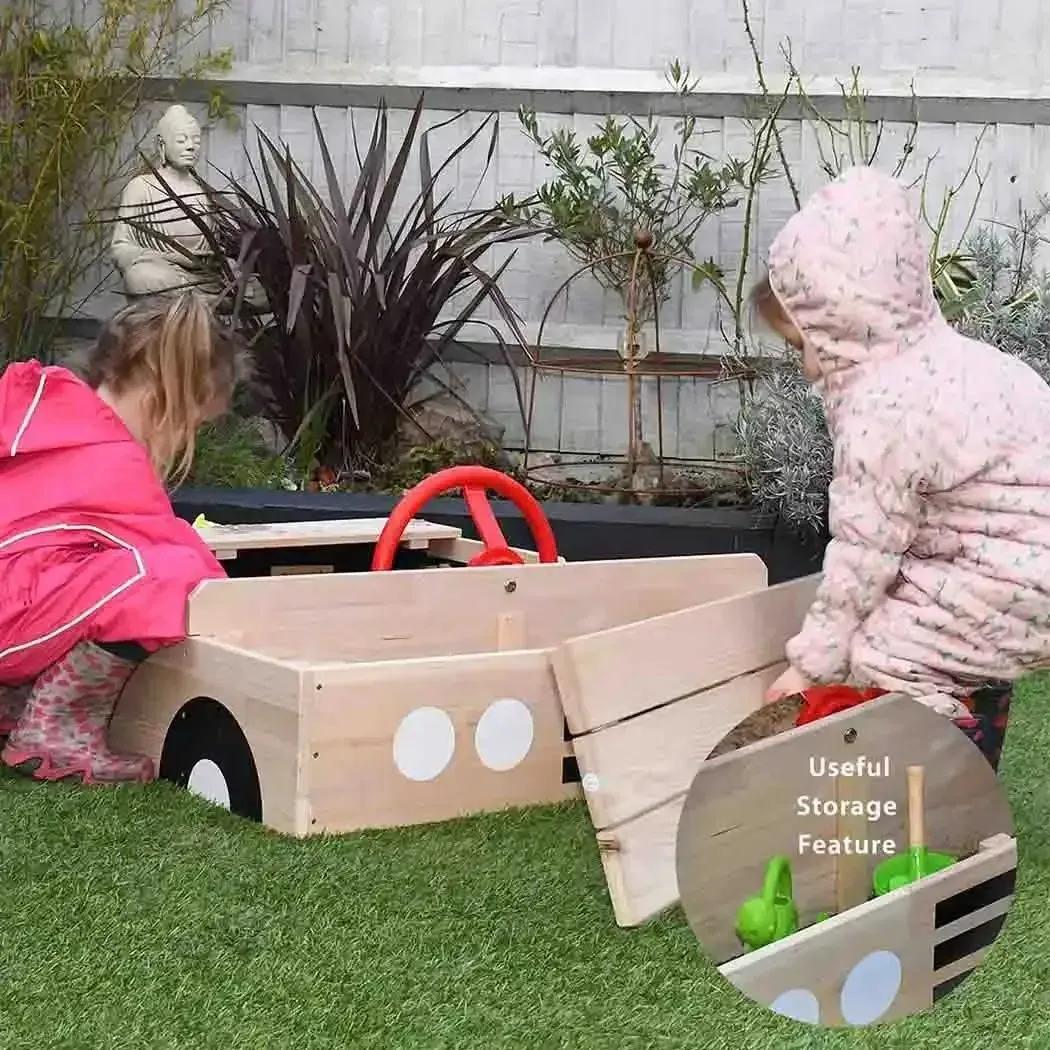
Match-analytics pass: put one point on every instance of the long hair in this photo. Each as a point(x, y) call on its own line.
point(186, 362)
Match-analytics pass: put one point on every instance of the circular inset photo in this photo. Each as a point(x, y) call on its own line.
point(848, 863)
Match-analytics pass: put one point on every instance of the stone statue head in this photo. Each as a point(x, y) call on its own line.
point(178, 138)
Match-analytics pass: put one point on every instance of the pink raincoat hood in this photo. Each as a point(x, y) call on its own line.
point(853, 273)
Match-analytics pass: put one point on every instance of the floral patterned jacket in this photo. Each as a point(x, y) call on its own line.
point(937, 576)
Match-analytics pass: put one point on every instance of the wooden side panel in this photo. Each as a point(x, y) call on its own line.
point(461, 550)
point(263, 695)
point(227, 540)
point(613, 674)
point(820, 959)
point(646, 703)
point(639, 861)
point(649, 759)
point(407, 742)
point(429, 612)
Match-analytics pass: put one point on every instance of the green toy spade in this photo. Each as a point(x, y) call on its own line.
point(918, 862)
point(762, 920)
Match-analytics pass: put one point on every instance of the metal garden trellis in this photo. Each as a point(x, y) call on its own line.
point(636, 364)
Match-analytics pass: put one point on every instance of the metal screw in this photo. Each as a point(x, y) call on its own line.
point(510, 586)
point(850, 736)
point(315, 754)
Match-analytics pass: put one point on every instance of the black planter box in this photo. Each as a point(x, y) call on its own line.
point(584, 531)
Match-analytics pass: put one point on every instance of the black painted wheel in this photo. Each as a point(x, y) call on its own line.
point(207, 753)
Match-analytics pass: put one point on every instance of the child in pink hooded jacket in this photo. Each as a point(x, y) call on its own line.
point(937, 575)
point(95, 568)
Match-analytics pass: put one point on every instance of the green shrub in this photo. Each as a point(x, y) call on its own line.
point(1010, 305)
point(786, 448)
point(232, 454)
point(612, 186)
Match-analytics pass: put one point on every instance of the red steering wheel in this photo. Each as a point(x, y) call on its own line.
point(475, 482)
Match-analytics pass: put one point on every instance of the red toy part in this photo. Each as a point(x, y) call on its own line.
point(475, 482)
point(824, 700)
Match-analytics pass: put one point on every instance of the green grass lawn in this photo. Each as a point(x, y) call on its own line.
point(142, 918)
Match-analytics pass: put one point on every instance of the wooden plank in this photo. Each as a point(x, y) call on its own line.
point(505, 729)
point(742, 811)
point(635, 765)
point(972, 919)
point(639, 862)
point(423, 612)
point(462, 550)
point(227, 540)
point(745, 807)
point(820, 957)
point(961, 966)
point(818, 960)
point(607, 676)
point(852, 875)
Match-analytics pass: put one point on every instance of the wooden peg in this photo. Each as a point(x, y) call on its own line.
point(510, 631)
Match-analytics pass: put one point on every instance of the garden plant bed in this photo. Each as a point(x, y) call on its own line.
point(584, 531)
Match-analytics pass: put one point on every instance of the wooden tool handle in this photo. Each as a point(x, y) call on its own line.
point(916, 809)
point(852, 874)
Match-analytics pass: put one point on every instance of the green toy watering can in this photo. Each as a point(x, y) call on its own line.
point(773, 916)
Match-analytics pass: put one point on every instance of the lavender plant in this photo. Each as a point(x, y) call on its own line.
point(786, 448)
point(1010, 305)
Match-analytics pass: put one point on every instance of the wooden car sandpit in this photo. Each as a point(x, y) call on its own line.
point(329, 702)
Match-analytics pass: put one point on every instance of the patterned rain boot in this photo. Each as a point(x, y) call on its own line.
point(62, 732)
point(13, 700)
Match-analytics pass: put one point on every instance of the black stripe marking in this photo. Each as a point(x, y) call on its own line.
point(963, 944)
point(975, 897)
point(570, 770)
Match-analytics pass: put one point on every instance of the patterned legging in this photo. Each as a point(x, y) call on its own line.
point(986, 724)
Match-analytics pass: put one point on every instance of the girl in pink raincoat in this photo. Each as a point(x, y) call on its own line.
point(937, 575)
point(95, 567)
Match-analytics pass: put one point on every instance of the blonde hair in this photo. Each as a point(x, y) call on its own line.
point(186, 362)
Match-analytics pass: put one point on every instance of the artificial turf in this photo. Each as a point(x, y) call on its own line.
point(144, 918)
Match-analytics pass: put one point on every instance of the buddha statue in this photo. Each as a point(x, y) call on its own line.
point(148, 264)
